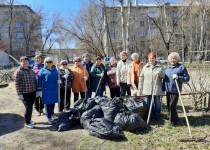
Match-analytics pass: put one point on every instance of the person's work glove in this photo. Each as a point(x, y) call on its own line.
point(38, 94)
point(20, 97)
point(85, 78)
point(175, 76)
point(65, 76)
point(102, 74)
point(59, 81)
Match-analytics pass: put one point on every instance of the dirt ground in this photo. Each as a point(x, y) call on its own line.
point(13, 134)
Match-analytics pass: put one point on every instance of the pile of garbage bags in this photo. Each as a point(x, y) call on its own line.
point(105, 117)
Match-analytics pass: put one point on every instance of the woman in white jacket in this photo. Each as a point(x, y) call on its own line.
point(147, 86)
point(122, 74)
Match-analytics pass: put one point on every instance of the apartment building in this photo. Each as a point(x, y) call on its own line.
point(20, 29)
point(143, 32)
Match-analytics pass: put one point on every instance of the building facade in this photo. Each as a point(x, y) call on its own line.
point(143, 34)
point(20, 29)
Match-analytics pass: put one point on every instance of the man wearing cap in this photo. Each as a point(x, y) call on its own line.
point(88, 64)
point(25, 83)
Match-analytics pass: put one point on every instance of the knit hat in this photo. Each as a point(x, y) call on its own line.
point(86, 55)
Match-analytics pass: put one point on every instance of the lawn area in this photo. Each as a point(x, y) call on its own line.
point(160, 136)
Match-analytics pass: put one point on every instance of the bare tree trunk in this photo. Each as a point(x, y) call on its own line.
point(122, 24)
point(202, 17)
point(128, 26)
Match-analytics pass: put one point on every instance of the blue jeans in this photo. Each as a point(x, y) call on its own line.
point(49, 110)
point(156, 111)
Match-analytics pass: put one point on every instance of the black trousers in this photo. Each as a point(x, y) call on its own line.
point(39, 104)
point(28, 102)
point(115, 92)
point(68, 98)
point(76, 96)
point(124, 88)
point(172, 100)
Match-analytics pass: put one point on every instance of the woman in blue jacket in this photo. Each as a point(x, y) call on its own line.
point(48, 83)
point(175, 71)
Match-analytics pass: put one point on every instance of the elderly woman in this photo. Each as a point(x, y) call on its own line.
point(134, 72)
point(48, 84)
point(66, 74)
point(150, 83)
point(122, 74)
point(97, 75)
point(111, 78)
point(80, 77)
point(39, 106)
point(175, 71)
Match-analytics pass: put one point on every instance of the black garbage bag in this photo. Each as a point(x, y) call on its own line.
point(137, 105)
point(84, 104)
point(67, 120)
point(95, 112)
point(110, 110)
point(129, 121)
point(104, 128)
point(99, 99)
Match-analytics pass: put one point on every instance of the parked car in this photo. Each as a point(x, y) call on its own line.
point(162, 60)
point(107, 60)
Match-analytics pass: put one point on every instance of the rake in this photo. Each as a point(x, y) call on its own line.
point(190, 138)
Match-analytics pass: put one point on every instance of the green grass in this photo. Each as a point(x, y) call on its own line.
point(161, 137)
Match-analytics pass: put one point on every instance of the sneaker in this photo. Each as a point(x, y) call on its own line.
point(38, 113)
point(50, 121)
point(33, 122)
point(42, 113)
point(30, 126)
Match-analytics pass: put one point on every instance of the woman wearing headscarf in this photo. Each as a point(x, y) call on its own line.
point(150, 83)
point(48, 84)
point(175, 71)
point(98, 79)
point(80, 77)
point(122, 74)
point(111, 78)
point(66, 74)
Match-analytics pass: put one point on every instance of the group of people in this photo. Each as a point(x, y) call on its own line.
point(43, 83)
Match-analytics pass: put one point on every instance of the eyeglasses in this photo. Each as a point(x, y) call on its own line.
point(77, 61)
point(49, 62)
point(64, 64)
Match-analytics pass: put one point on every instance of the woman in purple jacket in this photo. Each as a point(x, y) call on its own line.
point(39, 106)
point(175, 71)
point(111, 78)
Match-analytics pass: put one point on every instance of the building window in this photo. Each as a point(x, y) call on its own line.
point(142, 43)
point(6, 24)
point(133, 38)
point(19, 35)
point(18, 24)
point(133, 48)
point(19, 45)
point(143, 33)
point(141, 23)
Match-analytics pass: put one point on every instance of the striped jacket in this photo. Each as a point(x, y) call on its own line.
point(25, 80)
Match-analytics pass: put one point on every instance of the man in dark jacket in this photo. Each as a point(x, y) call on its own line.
point(25, 83)
point(88, 64)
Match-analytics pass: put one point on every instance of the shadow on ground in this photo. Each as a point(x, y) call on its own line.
point(10, 123)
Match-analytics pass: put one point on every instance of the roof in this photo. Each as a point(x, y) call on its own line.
point(19, 6)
